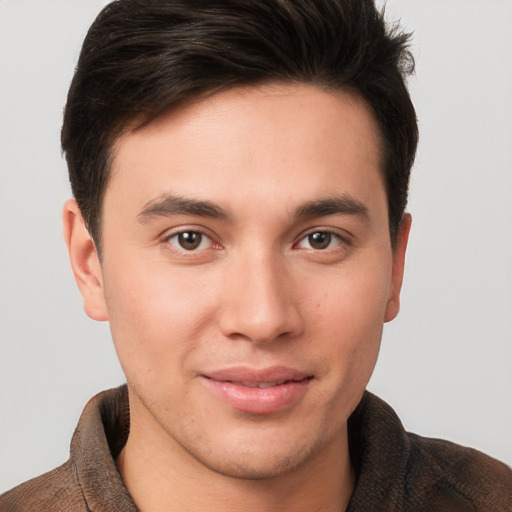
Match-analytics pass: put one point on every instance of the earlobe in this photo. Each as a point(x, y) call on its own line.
point(84, 260)
point(393, 306)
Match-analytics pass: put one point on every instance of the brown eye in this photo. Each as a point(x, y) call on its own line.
point(320, 240)
point(190, 241)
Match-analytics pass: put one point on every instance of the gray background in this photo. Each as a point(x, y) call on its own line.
point(446, 362)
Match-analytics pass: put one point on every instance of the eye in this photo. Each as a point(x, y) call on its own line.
point(320, 240)
point(190, 241)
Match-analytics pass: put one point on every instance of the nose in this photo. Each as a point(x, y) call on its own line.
point(259, 303)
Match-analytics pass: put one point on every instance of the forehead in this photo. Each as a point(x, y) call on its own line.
point(285, 143)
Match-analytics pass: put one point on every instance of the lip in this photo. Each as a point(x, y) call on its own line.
point(258, 391)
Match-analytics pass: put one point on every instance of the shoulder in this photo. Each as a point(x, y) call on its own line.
point(400, 471)
point(56, 491)
point(444, 472)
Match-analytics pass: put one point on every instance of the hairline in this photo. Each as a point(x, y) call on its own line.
point(137, 122)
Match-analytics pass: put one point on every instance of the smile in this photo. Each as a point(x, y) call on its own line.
point(262, 385)
point(258, 391)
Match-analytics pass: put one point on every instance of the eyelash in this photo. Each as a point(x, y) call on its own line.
point(203, 237)
point(331, 237)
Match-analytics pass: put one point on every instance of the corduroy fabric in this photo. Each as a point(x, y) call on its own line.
point(396, 471)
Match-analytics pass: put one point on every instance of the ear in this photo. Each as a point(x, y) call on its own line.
point(393, 306)
point(84, 261)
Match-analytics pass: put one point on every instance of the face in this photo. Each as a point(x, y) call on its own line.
point(246, 274)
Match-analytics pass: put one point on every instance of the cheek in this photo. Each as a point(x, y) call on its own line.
point(354, 300)
point(350, 317)
point(155, 313)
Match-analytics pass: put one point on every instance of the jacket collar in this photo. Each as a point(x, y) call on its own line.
point(379, 450)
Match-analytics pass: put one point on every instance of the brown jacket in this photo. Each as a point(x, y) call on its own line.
point(396, 471)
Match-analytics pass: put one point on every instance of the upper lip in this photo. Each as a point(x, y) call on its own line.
point(251, 375)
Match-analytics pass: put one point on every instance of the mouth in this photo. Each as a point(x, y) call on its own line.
point(264, 385)
point(254, 391)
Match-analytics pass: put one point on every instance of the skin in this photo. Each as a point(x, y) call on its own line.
point(258, 291)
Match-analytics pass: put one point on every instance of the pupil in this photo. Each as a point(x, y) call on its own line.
point(189, 240)
point(320, 240)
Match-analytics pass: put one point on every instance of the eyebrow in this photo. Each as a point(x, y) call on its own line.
point(167, 205)
point(344, 205)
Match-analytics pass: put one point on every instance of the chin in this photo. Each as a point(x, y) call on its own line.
point(253, 460)
point(249, 468)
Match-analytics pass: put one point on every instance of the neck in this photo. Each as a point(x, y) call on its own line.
point(161, 476)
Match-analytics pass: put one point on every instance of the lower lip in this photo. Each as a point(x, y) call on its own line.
point(258, 400)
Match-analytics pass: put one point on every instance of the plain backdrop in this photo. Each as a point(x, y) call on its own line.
point(445, 363)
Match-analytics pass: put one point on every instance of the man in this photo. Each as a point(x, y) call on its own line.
point(240, 175)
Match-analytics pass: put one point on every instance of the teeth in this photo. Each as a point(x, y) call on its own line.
point(260, 384)
point(249, 384)
point(265, 384)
